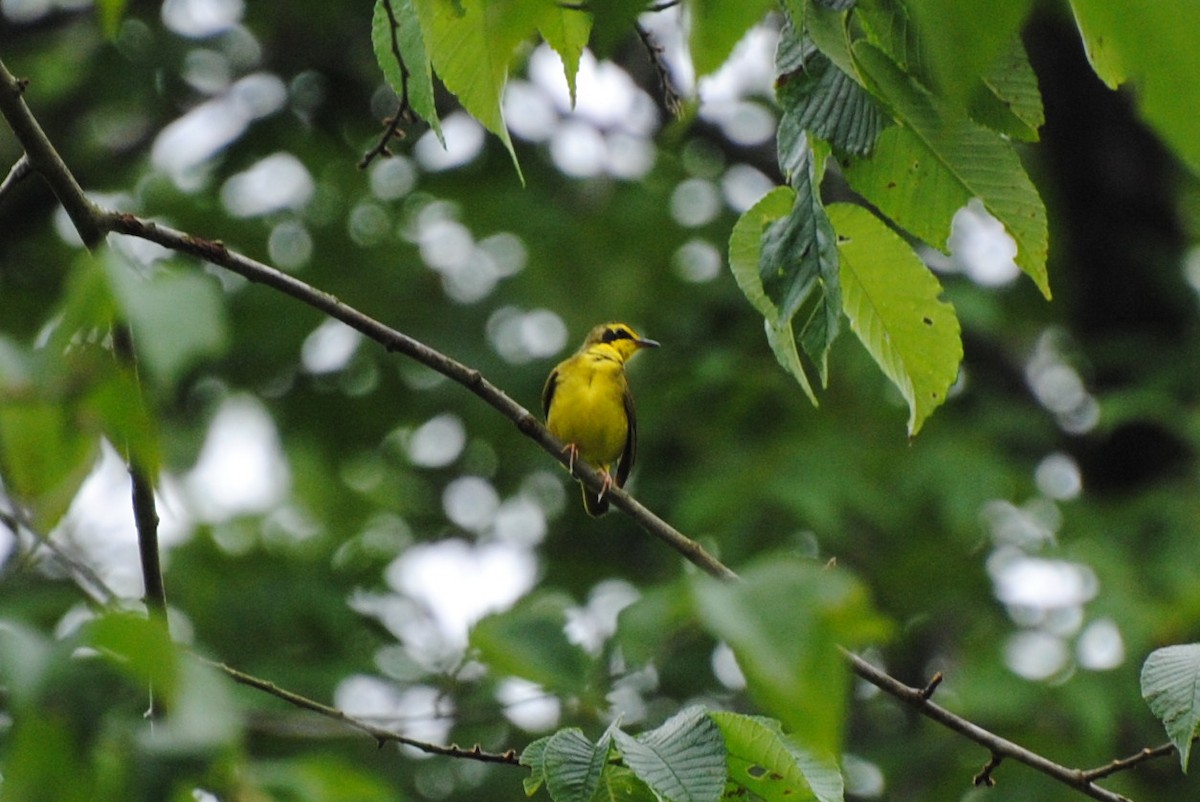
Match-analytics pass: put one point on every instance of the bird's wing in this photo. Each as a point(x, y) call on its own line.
point(630, 452)
point(548, 391)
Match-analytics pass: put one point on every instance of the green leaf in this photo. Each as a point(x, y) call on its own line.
point(24, 660)
point(566, 30)
point(528, 641)
point(818, 97)
point(141, 647)
point(177, 317)
point(573, 765)
point(471, 44)
point(683, 760)
point(745, 248)
point(893, 303)
point(1008, 100)
point(614, 25)
point(318, 776)
point(717, 26)
point(1171, 686)
point(619, 784)
point(765, 762)
point(963, 47)
point(534, 757)
point(1156, 49)
point(641, 625)
point(798, 261)
point(790, 653)
point(43, 761)
point(46, 456)
point(400, 51)
point(923, 172)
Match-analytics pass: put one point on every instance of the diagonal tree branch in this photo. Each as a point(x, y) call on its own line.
point(382, 735)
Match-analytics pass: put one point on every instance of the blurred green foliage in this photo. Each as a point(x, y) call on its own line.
point(1097, 387)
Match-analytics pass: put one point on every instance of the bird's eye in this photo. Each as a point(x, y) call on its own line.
point(615, 334)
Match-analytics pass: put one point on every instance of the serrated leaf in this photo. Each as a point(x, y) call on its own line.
point(893, 303)
point(566, 30)
point(683, 760)
point(400, 51)
point(718, 25)
point(1008, 100)
point(1171, 687)
point(529, 641)
point(765, 762)
point(924, 172)
point(471, 44)
point(745, 247)
point(798, 260)
point(827, 30)
point(816, 96)
point(963, 47)
point(573, 765)
point(790, 653)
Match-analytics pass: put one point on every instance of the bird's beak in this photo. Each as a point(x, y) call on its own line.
point(643, 343)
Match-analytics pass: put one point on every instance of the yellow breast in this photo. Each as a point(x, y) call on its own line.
point(588, 408)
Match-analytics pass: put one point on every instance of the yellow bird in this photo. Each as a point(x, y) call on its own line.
point(588, 406)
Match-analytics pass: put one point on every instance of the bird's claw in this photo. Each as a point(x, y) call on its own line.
point(572, 451)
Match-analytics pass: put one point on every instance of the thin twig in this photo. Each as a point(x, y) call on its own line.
point(999, 747)
point(672, 100)
point(391, 128)
point(1125, 763)
point(382, 735)
point(19, 170)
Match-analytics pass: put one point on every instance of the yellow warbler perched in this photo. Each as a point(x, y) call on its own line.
point(588, 406)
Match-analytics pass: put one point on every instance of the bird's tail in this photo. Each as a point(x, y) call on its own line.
point(594, 504)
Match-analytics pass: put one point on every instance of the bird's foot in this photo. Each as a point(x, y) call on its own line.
point(607, 484)
point(572, 452)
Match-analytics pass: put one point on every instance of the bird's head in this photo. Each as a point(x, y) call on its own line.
point(619, 337)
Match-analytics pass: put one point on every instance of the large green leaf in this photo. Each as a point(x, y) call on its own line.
point(785, 623)
point(528, 641)
point(400, 51)
point(471, 44)
point(683, 760)
point(45, 456)
point(922, 173)
point(745, 248)
point(768, 764)
point(718, 25)
point(1171, 686)
point(141, 647)
point(1155, 47)
point(893, 303)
